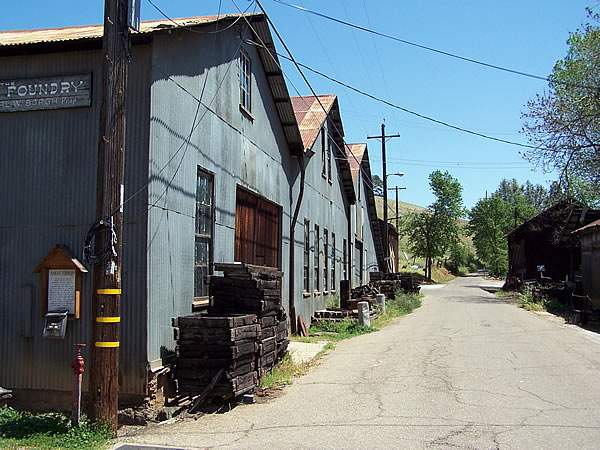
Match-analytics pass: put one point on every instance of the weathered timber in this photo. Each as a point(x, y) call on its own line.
point(214, 321)
point(224, 388)
point(221, 334)
point(268, 321)
point(268, 332)
point(212, 363)
point(267, 346)
point(267, 360)
point(226, 282)
point(233, 352)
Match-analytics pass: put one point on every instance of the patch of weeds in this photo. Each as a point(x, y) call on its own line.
point(554, 306)
point(284, 372)
point(401, 305)
point(53, 430)
point(529, 303)
point(333, 301)
point(337, 331)
point(329, 346)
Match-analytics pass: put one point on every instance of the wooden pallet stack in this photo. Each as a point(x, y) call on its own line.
point(257, 290)
point(216, 354)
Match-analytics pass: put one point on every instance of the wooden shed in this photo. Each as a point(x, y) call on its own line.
point(589, 236)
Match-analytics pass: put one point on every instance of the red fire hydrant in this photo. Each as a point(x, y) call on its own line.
point(77, 365)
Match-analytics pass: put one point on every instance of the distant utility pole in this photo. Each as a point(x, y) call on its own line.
point(397, 189)
point(104, 358)
point(383, 137)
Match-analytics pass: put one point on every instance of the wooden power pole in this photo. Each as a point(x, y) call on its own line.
point(383, 137)
point(104, 358)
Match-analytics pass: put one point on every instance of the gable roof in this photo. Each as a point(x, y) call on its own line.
point(358, 160)
point(355, 153)
point(19, 42)
point(311, 114)
point(560, 221)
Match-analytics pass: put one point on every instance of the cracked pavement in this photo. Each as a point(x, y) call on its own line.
point(466, 370)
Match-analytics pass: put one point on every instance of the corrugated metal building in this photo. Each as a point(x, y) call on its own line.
point(213, 173)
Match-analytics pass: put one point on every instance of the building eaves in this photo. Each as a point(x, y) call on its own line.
point(23, 42)
point(379, 249)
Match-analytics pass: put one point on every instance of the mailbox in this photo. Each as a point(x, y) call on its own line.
point(55, 325)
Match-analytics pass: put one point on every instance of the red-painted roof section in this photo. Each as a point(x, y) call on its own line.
point(311, 116)
point(355, 153)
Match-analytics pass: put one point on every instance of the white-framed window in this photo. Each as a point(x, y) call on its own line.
point(203, 233)
point(333, 262)
point(306, 255)
point(245, 81)
point(325, 259)
point(323, 152)
point(316, 268)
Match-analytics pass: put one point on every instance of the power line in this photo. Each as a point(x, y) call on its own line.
point(408, 111)
point(183, 27)
point(414, 44)
point(291, 58)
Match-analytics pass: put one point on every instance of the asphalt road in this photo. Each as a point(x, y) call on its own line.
point(465, 370)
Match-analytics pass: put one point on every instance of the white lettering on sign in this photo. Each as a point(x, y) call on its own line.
point(66, 91)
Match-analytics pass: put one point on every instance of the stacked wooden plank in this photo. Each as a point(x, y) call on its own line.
point(246, 288)
point(217, 352)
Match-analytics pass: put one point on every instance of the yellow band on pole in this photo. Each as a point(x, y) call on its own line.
point(108, 319)
point(107, 344)
point(109, 291)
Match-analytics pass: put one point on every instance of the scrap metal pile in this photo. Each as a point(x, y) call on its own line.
point(226, 351)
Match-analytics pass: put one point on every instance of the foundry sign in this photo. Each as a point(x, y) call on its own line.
point(63, 91)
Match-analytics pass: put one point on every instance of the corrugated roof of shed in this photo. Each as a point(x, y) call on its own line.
point(27, 37)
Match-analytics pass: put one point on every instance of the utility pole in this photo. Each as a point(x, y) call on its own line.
point(104, 358)
point(397, 189)
point(383, 137)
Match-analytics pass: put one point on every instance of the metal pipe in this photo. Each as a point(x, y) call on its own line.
point(293, 323)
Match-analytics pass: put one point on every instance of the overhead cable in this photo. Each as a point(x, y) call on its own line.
point(414, 44)
point(408, 111)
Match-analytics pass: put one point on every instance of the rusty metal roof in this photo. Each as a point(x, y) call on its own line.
point(355, 153)
point(358, 161)
point(27, 37)
point(64, 39)
point(311, 116)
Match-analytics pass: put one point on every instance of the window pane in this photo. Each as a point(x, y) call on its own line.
point(201, 253)
point(200, 285)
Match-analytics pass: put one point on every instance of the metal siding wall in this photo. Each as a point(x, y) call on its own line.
point(237, 150)
point(324, 205)
point(47, 167)
point(133, 356)
point(48, 171)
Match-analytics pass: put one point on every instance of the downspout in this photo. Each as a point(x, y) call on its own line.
point(293, 320)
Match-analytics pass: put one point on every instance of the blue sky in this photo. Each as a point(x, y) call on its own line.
point(525, 35)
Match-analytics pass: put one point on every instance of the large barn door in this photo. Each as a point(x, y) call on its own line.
point(256, 230)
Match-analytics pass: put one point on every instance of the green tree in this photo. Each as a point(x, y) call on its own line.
point(377, 186)
point(432, 232)
point(564, 124)
point(489, 220)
